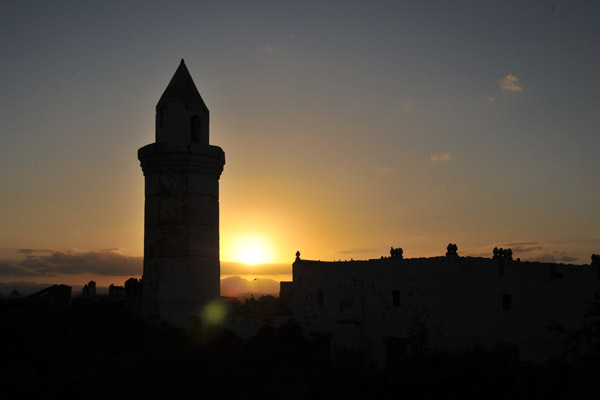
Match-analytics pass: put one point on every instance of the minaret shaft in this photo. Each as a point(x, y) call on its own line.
point(181, 224)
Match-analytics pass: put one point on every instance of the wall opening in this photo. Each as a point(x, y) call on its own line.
point(195, 129)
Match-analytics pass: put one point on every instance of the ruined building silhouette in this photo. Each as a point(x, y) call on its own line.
point(181, 225)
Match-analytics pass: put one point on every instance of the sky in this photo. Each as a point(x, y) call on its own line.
point(348, 127)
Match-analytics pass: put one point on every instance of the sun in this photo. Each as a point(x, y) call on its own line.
point(252, 249)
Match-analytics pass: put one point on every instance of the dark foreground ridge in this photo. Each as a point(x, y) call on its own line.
point(99, 349)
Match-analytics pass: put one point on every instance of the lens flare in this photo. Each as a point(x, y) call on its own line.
point(213, 313)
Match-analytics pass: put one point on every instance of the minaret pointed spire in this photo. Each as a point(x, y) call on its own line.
point(181, 89)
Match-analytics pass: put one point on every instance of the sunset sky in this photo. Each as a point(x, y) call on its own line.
point(348, 127)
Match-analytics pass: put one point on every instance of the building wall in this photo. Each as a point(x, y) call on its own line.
point(454, 302)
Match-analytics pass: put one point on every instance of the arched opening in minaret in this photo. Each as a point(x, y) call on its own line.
point(195, 129)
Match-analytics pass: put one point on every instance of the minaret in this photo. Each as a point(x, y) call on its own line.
point(181, 225)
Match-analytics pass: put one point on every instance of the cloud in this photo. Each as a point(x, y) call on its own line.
point(384, 170)
point(29, 252)
point(526, 251)
point(8, 268)
point(117, 250)
point(407, 106)
point(554, 256)
point(568, 259)
point(271, 49)
point(357, 250)
point(441, 157)
point(49, 263)
point(524, 247)
point(510, 84)
point(105, 262)
point(489, 99)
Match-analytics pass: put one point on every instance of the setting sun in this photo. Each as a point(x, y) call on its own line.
point(251, 249)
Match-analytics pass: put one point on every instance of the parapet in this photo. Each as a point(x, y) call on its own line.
point(167, 157)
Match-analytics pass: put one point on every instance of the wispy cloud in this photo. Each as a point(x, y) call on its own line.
point(407, 106)
point(357, 250)
point(441, 157)
point(384, 170)
point(46, 262)
point(271, 49)
point(527, 251)
point(510, 84)
point(489, 99)
point(568, 259)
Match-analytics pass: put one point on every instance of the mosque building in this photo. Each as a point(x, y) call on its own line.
point(394, 306)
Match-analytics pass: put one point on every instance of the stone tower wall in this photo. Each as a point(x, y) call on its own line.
point(181, 229)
